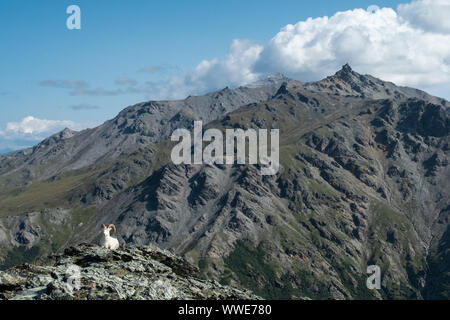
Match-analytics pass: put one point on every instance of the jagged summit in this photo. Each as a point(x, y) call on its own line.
point(346, 73)
point(66, 133)
point(57, 137)
point(346, 68)
point(348, 82)
point(63, 134)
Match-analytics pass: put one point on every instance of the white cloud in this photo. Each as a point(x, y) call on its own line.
point(31, 125)
point(235, 69)
point(409, 47)
point(379, 43)
point(31, 130)
point(430, 15)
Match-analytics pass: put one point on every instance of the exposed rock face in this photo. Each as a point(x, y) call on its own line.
point(364, 180)
point(28, 229)
point(25, 229)
point(91, 272)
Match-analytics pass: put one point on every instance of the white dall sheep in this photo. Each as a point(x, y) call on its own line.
point(107, 241)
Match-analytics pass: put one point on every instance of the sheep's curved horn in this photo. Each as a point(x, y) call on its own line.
point(113, 227)
point(103, 226)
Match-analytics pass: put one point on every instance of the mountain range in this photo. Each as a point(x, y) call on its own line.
point(363, 180)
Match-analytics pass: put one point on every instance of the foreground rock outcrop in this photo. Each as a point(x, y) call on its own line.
point(92, 272)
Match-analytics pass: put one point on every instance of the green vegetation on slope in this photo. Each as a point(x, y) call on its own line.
point(40, 195)
point(254, 272)
point(19, 255)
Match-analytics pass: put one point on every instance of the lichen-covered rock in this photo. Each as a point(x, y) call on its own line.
point(92, 272)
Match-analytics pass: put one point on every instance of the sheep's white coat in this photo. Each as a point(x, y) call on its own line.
point(107, 241)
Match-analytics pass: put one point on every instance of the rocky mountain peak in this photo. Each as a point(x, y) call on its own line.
point(66, 133)
point(347, 82)
point(56, 138)
point(347, 74)
point(346, 68)
point(63, 134)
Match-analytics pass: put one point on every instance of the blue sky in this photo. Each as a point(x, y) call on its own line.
point(136, 50)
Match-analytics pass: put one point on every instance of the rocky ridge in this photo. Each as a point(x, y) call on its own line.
point(94, 273)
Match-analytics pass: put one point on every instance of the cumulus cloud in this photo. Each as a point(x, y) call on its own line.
point(429, 15)
point(31, 125)
point(379, 43)
point(31, 130)
point(235, 69)
point(410, 46)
